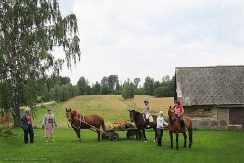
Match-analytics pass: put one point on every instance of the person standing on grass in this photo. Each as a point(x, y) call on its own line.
point(48, 123)
point(26, 124)
point(160, 125)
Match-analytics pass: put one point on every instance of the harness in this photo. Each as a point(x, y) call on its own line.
point(83, 121)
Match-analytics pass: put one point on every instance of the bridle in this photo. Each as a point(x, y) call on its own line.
point(172, 116)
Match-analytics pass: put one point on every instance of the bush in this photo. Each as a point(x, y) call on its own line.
point(128, 90)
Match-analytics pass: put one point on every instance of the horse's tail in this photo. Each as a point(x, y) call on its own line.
point(104, 127)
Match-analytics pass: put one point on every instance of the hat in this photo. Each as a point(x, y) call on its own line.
point(146, 101)
point(27, 109)
point(161, 113)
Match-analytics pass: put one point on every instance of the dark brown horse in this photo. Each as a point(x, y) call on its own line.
point(140, 123)
point(93, 122)
point(174, 127)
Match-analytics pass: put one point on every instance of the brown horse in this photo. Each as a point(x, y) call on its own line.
point(174, 127)
point(93, 122)
point(140, 123)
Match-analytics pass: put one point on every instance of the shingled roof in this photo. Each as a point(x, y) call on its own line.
point(219, 85)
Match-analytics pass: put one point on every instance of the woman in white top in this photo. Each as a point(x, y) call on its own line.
point(160, 125)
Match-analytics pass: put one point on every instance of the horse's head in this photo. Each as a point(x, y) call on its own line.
point(133, 114)
point(69, 114)
point(171, 114)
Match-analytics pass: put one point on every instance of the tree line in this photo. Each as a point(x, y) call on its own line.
point(60, 89)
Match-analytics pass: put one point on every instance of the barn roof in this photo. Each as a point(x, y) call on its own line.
point(219, 85)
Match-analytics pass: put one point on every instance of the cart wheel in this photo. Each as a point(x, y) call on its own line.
point(131, 134)
point(104, 136)
point(114, 137)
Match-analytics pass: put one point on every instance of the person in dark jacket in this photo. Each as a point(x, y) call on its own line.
point(26, 124)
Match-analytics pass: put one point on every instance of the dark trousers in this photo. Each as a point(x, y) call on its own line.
point(159, 136)
point(30, 132)
point(182, 124)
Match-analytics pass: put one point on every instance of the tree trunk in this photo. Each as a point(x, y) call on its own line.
point(15, 91)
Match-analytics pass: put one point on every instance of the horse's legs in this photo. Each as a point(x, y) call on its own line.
point(185, 137)
point(177, 145)
point(190, 137)
point(98, 135)
point(144, 134)
point(77, 131)
point(171, 139)
point(156, 135)
point(139, 133)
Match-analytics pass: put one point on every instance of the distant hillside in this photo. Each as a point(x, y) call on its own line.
point(111, 107)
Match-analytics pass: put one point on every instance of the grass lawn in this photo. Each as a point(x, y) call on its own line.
point(208, 146)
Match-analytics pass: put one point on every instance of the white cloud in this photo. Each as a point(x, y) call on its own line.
point(151, 37)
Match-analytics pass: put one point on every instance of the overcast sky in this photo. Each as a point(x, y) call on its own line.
point(137, 38)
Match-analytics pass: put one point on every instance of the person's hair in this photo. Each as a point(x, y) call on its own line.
point(178, 102)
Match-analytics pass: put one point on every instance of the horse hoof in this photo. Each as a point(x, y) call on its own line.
point(154, 141)
point(145, 141)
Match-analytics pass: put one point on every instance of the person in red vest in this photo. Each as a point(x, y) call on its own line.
point(26, 124)
point(179, 112)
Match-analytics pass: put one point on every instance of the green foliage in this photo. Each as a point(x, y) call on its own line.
point(83, 85)
point(5, 95)
point(160, 92)
point(128, 90)
point(149, 86)
point(30, 29)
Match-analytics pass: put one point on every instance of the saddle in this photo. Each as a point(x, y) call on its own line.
point(150, 118)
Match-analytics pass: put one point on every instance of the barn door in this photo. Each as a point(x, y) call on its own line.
point(236, 115)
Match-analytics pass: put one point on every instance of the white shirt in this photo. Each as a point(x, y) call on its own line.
point(161, 122)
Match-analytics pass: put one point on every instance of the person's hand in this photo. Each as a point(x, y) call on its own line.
point(42, 126)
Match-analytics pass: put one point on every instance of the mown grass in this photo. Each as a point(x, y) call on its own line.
point(208, 146)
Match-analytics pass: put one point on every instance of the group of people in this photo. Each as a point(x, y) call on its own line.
point(179, 112)
point(48, 123)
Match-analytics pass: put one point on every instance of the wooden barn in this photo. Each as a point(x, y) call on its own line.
point(212, 96)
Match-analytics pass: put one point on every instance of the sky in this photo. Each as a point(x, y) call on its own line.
point(140, 38)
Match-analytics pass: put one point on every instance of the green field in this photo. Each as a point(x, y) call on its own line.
point(208, 146)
